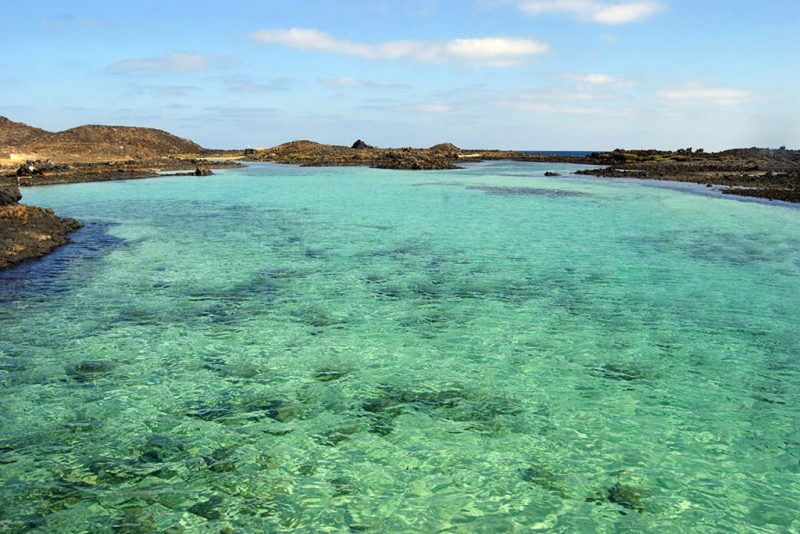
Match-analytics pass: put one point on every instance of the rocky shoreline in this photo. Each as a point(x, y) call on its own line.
point(26, 231)
point(755, 172)
point(36, 173)
point(772, 174)
point(93, 153)
point(312, 154)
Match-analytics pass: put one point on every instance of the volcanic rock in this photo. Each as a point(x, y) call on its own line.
point(9, 195)
point(361, 145)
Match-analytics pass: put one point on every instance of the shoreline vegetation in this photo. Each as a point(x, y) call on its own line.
point(32, 157)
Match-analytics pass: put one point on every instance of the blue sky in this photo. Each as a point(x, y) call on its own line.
point(522, 74)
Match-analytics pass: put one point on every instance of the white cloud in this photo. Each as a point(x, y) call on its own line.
point(487, 51)
point(602, 12)
point(598, 79)
point(177, 62)
point(696, 93)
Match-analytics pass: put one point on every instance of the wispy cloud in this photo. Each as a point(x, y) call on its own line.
point(697, 93)
point(598, 79)
point(562, 100)
point(65, 22)
point(351, 83)
point(166, 90)
point(243, 84)
point(484, 51)
point(599, 11)
point(175, 62)
point(431, 107)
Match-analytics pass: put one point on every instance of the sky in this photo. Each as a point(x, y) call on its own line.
point(515, 74)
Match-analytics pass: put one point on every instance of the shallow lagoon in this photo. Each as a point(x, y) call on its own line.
point(280, 348)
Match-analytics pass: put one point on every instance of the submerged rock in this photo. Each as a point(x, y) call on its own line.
point(625, 372)
point(219, 461)
point(551, 173)
point(544, 478)
point(135, 520)
point(277, 409)
point(343, 486)
point(211, 413)
point(159, 448)
point(482, 412)
point(622, 495)
point(328, 375)
point(90, 370)
point(526, 191)
point(208, 509)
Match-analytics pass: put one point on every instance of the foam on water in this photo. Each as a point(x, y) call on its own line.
point(280, 348)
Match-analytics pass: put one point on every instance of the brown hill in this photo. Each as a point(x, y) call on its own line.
point(13, 135)
point(103, 143)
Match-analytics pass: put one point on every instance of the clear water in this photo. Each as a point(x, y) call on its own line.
point(325, 350)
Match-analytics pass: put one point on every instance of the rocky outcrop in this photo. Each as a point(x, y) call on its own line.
point(9, 195)
point(311, 154)
point(448, 150)
point(38, 168)
point(203, 171)
point(361, 145)
point(756, 172)
point(413, 160)
point(26, 231)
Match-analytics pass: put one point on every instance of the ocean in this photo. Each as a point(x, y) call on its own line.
point(283, 349)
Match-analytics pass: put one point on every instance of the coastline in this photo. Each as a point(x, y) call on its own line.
point(762, 175)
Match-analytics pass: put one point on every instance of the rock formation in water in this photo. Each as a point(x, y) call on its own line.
point(26, 231)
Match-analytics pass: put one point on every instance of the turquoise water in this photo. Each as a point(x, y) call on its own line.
point(326, 350)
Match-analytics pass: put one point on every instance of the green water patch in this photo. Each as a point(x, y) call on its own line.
point(284, 349)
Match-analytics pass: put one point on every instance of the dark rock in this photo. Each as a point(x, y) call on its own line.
point(9, 195)
point(208, 509)
point(135, 521)
point(525, 191)
point(361, 145)
point(211, 413)
point(203, 171)
point(158, 449)
point(328, 375)
point(90, 370)
point(544, 478)
point(622, 495)
point(219, 461)
point(279, 410)
point(551, 173)
point(343, 486)
point(37, 168)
